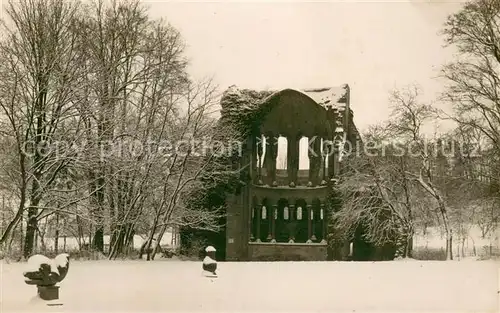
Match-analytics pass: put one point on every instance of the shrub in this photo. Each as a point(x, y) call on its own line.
point(489, 253)
point(196, 249)
point(429, 254)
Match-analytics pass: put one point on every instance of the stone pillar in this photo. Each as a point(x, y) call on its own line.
point(329, 144)
point(270, 159)
point(324, 222)
point(270, 218)
point(309, 223)
point(260, 152)
point(48, 293)
point(291, 214)
point(338, 141)
point(252, 221)
point(314, 219)
point(314, 161)
point(258, 208)
point(324, 157)
point(292, 158)
point(273, 222)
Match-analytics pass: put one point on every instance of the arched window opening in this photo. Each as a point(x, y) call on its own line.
point(281, 216)
point(281, 159)
point(260, 141)
point(321, 214)
point(264, 212)
point(304, 153)
point(302, 221)
point(299, 213)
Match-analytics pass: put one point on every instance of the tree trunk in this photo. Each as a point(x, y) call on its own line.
point(56, 235)
point(448, 231)
point(463, 247)
point(149, 240)
point(98, 236)
point(409, 246)
point(19, 214)
point(81, 233)
point(21, 238)
point(157, 248)
point(98, 239)
point(29, 240)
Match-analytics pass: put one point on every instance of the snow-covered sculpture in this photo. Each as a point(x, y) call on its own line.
point(209, 262)
point(46, 273)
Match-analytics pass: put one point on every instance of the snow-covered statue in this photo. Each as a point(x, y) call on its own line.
point(209, 262)
point(46, 273)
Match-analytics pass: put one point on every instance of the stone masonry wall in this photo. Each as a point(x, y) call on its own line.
point(286, 252)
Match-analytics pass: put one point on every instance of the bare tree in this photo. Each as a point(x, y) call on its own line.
point(186, 166)
point(136, 70)
point(378, 194)
point(40, 67)
point(474, 80)
point(408, 118)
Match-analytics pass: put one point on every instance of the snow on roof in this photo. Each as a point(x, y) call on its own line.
point(210, 249)
point(328, 96)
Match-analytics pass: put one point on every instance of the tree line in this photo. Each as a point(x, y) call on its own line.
point(88, 94)
point(448, 179)
point(90, 91)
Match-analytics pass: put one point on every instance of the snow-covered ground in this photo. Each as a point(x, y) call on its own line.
point(175, 286)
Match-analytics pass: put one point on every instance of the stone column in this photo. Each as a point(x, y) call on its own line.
point(270, 221)
point(258, 208)
point(324, 222)
point(292, 158)
point(314, 219)
point(252, 221)
point(270, 159)
point(291, 214)
point(260, 152)
point(324, 157)
point(273, 222)
point(331, 158)
point(309, 223)
point(314, 160)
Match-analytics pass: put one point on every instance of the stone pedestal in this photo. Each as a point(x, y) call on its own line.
point(209, 262)
point(48, 293)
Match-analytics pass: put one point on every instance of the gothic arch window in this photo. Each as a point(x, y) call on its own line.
point(281, 158)
point(264, 212)
point(299, 213)
point(261, 141)
point(286, 213)
point(275, 213)
point(304, 153)
point(321, 216)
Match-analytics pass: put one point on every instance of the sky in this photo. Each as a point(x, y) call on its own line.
point(374, 46)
